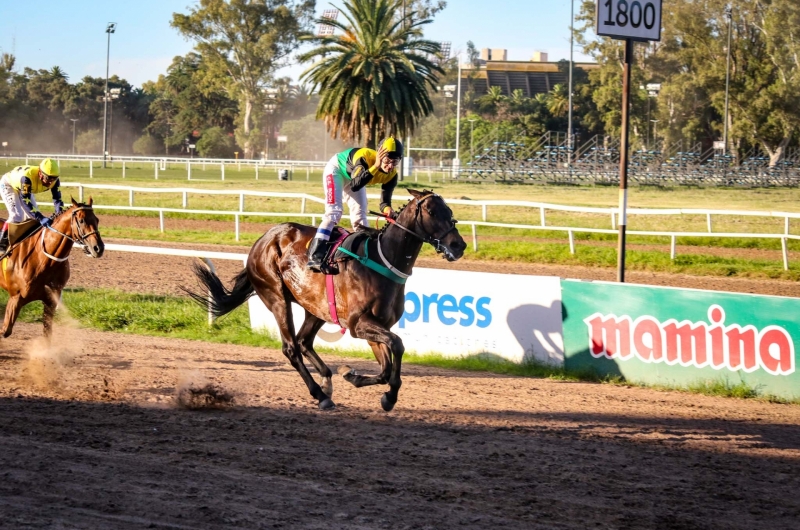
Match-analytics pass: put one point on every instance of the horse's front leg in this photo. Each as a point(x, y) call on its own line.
point(388, 349)
point(13, 308)
point(50, 301)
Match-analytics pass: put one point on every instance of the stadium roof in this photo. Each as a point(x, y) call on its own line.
point(529, 76)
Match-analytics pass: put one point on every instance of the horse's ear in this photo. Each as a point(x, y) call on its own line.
point(416, 193)
point(89, 204)
point(73, 200)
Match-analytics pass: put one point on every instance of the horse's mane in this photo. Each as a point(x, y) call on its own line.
point(68, 208)
point(425, 193)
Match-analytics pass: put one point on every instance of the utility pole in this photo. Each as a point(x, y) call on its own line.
point(110, 28)
point(729, 15)
point(571, 66)
point(73, 120)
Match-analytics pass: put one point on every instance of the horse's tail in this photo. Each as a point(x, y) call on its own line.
point(219, 300)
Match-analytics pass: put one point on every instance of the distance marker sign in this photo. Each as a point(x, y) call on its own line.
point(629, 19)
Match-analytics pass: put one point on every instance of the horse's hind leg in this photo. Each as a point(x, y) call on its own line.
point(13, 308)
point(305, 339)
point(282, 310)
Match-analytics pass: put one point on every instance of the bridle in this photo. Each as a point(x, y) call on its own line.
point(76, 228)
point(434, 241)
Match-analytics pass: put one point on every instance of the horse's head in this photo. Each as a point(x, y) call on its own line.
point(429, 217)
point(83, 226)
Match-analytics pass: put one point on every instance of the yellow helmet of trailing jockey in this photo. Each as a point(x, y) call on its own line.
point(393, 146)
point(50, 168)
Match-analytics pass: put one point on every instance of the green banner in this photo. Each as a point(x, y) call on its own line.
point(680, 336)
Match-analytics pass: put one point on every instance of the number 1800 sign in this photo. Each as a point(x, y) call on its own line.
point(629, 19)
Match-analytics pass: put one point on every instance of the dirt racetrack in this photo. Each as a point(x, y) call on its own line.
point(92, 437)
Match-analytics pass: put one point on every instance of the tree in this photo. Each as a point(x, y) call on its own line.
point(146, 145)
point(245, 41)
point(375, 76)
point(89, 142)
point(215, 143)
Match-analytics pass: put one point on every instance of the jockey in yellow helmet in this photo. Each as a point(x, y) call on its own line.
point(347, 173)
point(18, 188)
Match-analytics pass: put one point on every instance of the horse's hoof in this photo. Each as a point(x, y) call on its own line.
point(327, 386)
point(327, 404)
point(387, 403)
point(344, 370)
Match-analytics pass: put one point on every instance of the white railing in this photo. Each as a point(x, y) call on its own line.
point(612, 212)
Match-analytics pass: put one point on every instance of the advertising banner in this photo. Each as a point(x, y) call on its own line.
point(678, 336)
point(458, 313)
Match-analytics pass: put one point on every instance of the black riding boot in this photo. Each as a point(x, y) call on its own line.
point(316, 253)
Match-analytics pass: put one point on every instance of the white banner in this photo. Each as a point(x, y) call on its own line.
point(457, 313)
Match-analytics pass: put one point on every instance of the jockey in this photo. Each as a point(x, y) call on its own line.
point(349, 172)
point(18, 187)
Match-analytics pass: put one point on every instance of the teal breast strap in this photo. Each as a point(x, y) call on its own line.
point(377, 267)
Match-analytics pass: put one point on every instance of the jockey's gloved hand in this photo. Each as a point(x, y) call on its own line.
point(388, 211)
point(44, 221)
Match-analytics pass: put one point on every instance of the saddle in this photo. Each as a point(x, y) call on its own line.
point(18, 232)
point(346, 240)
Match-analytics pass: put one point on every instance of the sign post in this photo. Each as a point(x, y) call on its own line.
point(637, 20)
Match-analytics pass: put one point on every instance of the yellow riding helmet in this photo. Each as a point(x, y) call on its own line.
point(50, 168)
point(394, 147)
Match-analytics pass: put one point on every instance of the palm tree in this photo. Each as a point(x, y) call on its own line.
point(375, 76)
point(558, 101)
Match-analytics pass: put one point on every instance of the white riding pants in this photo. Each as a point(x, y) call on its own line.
point(333, 182)
point(16, 210)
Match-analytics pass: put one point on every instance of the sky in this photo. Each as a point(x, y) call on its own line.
point(71, 33)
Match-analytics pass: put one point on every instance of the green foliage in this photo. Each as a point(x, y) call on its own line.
point(147, 145)
point(215, 143)
point(89, 142)
point(244, 42)
point(374, 77)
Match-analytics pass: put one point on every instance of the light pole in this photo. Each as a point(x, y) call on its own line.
point(471, 144)
point(569, 119)
point(729, 15)
point(73, 120)
point(458, 114)
point(655, 133)
point(110, 28)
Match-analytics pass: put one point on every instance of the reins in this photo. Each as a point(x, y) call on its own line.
point(80, 240)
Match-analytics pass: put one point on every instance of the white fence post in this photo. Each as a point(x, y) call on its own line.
point(785, 249)
point(222, 165)
point(308, 173)
point(708, 222)
point(303, 205)
point(91, 169)
point(241, 202)
point(672, 247)
point(185, 200)
point(474, 238)
point(613, 220)
point(256, 170)
point(236, 217)
point(483, 212)
point(786, 225)
point(80, 193)
point(542, 220)
point(155, 169)
point(161, 220)
point(123, 169)
point(571, 241)
point(188, 171)
point(130, 197)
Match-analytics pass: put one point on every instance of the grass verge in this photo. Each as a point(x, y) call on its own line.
point(176, 317)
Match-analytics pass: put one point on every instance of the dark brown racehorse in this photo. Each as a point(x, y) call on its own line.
point(37, 268)
point(367, 303)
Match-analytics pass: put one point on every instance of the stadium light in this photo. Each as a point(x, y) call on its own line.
point(111, 27)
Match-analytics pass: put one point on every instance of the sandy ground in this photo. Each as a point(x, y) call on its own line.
point(92, 436)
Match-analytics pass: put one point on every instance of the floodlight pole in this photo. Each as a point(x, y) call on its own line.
point(458, 113)
point(110, 28)
point(571, 47)
point(623, 160)
point(729, 15)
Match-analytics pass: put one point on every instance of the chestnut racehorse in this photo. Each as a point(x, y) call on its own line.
point(37, 268)
point(368, 303)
